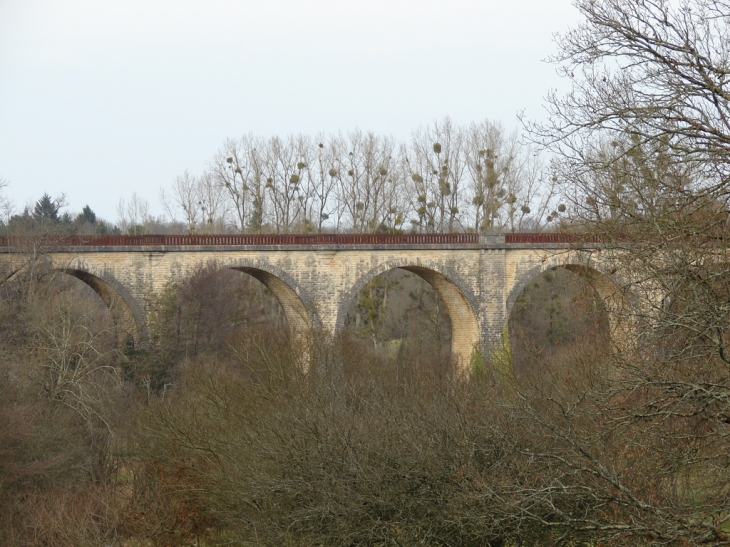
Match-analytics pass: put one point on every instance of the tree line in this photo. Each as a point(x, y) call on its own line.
point(448, 178)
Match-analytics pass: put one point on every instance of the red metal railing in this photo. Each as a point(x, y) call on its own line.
point(254, 239)
point(284, 239)
point(547, 237)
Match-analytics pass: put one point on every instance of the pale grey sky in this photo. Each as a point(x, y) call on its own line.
point(102, 98)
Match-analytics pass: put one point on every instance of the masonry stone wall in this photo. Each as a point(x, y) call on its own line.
point(317, 284)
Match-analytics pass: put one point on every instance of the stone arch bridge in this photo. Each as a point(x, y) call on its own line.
point(316, 277)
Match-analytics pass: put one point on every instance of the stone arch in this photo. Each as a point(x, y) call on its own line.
point(458, 299)
point(299, 316)
point(128, 324)
point(607, 289)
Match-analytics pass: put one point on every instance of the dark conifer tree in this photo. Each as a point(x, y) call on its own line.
point(46, 209)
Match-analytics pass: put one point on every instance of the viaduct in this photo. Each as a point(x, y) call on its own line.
point(316, 277)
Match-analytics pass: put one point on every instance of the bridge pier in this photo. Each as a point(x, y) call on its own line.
point(493, 314)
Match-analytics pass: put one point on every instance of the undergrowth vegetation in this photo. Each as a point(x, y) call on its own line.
point(225, 430)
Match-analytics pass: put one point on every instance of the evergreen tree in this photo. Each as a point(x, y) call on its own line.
point(86, 216)
point(46, 209)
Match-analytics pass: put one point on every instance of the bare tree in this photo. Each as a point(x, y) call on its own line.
point(505, 181)
point(201, 201)
point(370, 192)
point(73, 369)
point(323, 175)
point(239, 168)
point(6, 206)
point(649, 74)
point(309, 185)
point(641, 154)
point(437, 169)
point(134, 214)
point(214, 209)
point(183, 199)
point(283, 171)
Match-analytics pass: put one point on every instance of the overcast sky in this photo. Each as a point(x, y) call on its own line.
point(102, 98)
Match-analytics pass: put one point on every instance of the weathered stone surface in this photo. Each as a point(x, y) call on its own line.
point(316, 284)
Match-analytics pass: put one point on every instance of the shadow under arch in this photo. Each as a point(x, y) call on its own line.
point(460, 305)
point(128, 329)
point(295, 312)
point(608, 291)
